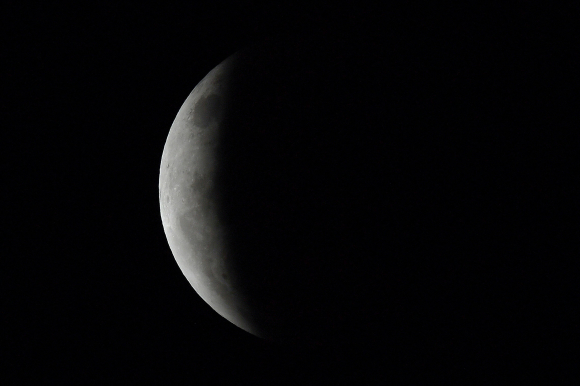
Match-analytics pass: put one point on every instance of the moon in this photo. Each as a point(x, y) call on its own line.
point(272, 196)
point(189, 199)
point(264, 189)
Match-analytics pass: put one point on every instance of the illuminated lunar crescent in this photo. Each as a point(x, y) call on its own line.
point(188, 198)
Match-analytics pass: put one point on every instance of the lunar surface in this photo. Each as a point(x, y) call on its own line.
point(188, 198)
point(269, 195)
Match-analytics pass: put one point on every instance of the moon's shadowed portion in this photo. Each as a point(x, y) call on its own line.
point(302, 173)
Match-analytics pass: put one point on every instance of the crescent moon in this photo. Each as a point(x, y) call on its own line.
point(188, 198)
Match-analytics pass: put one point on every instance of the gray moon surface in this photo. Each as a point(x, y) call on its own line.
point(188, 199)
point(269, 196)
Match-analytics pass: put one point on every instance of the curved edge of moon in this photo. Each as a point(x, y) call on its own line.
point(187, 198)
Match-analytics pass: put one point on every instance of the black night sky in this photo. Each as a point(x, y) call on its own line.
point(93, 295)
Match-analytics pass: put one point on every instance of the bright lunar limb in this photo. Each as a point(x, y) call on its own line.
point(188, 198)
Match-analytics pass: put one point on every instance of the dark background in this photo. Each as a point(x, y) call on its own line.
point(92, 292)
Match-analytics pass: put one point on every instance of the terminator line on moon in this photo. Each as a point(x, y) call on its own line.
point(188, 199)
